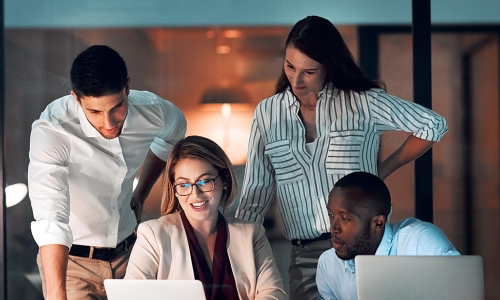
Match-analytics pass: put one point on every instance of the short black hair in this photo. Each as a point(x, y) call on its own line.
point(378, 197)
point(98, 71)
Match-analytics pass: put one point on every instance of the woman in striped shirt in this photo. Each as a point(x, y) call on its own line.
point(324, 122)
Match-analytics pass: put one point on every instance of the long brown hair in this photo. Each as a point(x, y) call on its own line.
point(204, 149)
point(320, 40)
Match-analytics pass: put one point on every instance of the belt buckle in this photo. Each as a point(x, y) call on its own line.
point(121, 247)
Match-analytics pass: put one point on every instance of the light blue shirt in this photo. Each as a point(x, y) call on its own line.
point(336, 278)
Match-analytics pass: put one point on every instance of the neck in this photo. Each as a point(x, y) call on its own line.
point(205, 228)
point(309, 99)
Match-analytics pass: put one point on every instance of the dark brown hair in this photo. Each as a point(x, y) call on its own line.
point(320, 40)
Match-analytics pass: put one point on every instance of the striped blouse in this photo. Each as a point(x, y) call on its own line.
point(348, 125)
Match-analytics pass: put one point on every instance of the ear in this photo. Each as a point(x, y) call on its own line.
point(76, 98)
point(127, 88)
point(378, 223)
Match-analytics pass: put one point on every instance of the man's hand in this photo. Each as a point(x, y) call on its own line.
point(136, 205)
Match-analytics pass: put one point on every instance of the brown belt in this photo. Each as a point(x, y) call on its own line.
point(103, 253)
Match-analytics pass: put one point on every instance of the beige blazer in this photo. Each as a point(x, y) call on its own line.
point(162, 252)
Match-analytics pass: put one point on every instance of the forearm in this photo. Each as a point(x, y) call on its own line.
point(54, 264)
point(411, 149)
point(151, 170)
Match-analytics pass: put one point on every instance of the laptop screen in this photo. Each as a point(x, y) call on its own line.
point(419, 277)
point(134, 289)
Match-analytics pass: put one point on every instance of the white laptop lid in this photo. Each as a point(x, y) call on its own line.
point(419, 277)
point(137, 289)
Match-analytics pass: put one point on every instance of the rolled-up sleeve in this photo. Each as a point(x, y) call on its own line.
point(393, 113)
point(48, 185)
point(174, 129)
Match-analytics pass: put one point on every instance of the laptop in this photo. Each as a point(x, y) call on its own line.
point(419, 277)
point(138, 289)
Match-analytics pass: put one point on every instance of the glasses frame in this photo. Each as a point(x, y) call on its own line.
point(196, 184)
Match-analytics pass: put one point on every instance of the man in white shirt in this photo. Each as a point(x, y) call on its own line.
point(358, 208)
point(85, 151)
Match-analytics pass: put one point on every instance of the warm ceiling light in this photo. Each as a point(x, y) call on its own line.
point(232, 33)
point(15, 193)
point(226, 110)
point(223, 49)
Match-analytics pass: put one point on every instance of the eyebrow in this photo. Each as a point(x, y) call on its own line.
point(310, 69)
point(92, 109)
point(204, 174)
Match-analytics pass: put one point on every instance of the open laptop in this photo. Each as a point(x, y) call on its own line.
point(137, 289)
point(419, 277)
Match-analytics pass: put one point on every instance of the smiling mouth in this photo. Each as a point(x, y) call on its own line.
point(199, 204)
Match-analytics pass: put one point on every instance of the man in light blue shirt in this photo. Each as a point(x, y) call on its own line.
point(358, 208)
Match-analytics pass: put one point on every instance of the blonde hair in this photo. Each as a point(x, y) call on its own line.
point(204, 149)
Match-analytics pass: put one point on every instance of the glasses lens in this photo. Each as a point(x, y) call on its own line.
point(183, 189)
point(206, 185)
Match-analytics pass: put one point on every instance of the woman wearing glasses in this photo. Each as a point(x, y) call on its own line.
point(193, 240)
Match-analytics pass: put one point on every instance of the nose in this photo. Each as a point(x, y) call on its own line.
point(109, 121)
point(335, 226)
point(196, 191)
point(297, 79)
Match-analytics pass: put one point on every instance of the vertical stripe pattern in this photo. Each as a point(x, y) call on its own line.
point(349, 125)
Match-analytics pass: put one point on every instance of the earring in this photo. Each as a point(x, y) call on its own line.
point(224, 187)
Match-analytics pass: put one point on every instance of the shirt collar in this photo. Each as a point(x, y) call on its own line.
point(386, 243)
point(383, 249)
point(89, 130)
point(349, 266)
point(329, 91)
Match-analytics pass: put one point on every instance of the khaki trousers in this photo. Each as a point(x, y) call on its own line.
point(85, 276)
point(302, 270)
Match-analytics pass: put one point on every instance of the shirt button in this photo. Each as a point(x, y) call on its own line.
point(114, 207)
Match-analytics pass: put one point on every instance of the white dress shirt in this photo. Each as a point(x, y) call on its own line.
point(80, 184)
point(336, 278)
point(348, 126)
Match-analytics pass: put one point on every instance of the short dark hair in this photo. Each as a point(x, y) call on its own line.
point(202, 148)
point(378, 197)
point(320, 40)
point(98, 71)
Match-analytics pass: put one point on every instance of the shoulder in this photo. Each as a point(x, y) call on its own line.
point(423, 238)
point(414, 225)
point(276, 100)
point(164, 223)
point(327, 256)
point(143, 98)
point(60, 111)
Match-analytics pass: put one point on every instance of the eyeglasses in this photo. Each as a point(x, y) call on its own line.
point(204, 185)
